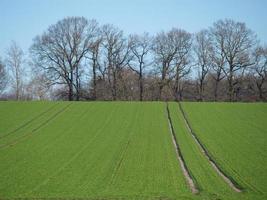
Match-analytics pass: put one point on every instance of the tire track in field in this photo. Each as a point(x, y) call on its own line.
point(22, 138)
point(28, 122)
point(56, 137)
point(179, 155)
point(76, 155)
point(122, 157)
point(118, 166)
point(228, 179)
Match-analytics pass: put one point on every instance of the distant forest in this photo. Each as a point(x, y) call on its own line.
point(78, 59)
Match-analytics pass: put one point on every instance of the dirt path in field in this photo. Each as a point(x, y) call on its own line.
point(179, 156)
point(14, 142)
point(229, 180)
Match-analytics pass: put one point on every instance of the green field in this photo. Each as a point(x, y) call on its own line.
point(124, 150)
point(236, 137)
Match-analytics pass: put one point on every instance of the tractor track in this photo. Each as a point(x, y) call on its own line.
point(28, 122)
point(14, 142)
point(179, 155)
point(64, 165)
point(121, 158)
point(119, 164)
point(228, 179)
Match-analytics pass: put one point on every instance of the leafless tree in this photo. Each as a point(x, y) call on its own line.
point(60, 50)
point(165, 49)
point(259, 69)
point(94, 57)
point(117, 55)
point(203, 51)
point(139, 67)
point(217, 64)
point(141, 46)
point(235, 41)
point(38, 87)
point(183, 41)
point(3, 76)
point(14, 61)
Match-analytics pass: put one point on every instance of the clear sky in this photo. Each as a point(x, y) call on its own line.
point(22, 20)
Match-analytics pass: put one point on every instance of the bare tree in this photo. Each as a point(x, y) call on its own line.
point(217, 64)
point(3, 76)
point(183, 41)
point(259, 70)
point(140, 67)
point(235, 41)
point(165, 49)
point(203, 51)
point(38, 87)
point(14, 61)
point(60, 50)
point(141, 45)
point(117, 55)
point(94, 57)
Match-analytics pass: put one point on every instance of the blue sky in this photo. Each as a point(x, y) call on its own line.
point(22, 20)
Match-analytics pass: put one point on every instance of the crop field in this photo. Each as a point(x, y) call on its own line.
point(236, 137)
point(133, 150)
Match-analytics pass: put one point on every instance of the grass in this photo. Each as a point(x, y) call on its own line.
point(124, 150)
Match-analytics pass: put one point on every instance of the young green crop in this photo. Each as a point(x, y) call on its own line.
point(210, 184)
point(235, 134)
point(93, 150)
point(15, 115)
point(124, 150)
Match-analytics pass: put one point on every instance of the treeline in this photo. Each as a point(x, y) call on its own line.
point(78, 59)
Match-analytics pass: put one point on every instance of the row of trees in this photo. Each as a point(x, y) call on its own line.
point(77, 59)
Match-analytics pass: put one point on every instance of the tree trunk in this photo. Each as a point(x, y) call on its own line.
point(176, 88)
point(77, 96)
point(71, 87)
point(231, 87)
point(141, 87)
point(163, 76)
point(17, 85)
point(94, 78)
point(259, 86)
point(180, 95)
point(77, 85)
point(231, 92)
point(70, 92)
point(160, 91)
point(261, 94)
point(110, 86)
point(201, 90)
point(114, 90)
point(216, 90)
